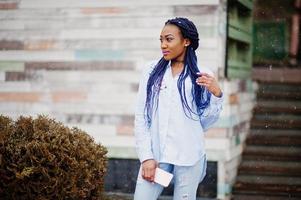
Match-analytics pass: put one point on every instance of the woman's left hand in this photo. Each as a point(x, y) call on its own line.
point(210, 83)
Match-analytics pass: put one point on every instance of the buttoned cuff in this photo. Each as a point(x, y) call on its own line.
point(217, 100)
point(143, 156)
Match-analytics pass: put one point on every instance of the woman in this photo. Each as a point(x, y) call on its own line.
point(177, 102)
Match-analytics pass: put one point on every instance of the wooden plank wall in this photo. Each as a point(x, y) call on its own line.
point(80, 62)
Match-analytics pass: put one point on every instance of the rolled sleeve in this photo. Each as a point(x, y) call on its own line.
point(142, 132)
point(212, 112)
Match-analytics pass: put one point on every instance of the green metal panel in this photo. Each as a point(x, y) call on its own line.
point(270, 41)
point(247, 3)
point(239, 39)
point(239, 35)
point(238, 72)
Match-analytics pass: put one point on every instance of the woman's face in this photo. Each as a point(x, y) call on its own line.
point(173, 45)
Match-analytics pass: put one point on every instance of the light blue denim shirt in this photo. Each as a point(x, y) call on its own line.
point(173, 137)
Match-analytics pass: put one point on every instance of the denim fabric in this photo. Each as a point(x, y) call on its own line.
point(186, 180)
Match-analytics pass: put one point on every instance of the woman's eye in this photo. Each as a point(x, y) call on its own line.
point(169, 39)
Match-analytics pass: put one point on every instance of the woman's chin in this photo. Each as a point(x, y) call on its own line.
point(167, 58)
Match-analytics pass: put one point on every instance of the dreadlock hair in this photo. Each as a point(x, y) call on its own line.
point(200, 95)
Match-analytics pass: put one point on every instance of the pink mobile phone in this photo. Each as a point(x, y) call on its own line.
point(162, 177)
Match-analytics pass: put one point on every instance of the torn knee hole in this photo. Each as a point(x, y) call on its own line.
point(185, 197)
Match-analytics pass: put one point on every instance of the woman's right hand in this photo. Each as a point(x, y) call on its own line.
point(149, 169)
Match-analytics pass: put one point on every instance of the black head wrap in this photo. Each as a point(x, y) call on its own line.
point(188, 30)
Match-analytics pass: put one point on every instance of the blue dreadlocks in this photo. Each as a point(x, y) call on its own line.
point(201, 96)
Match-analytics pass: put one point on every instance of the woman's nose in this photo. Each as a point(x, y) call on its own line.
point(163, 45)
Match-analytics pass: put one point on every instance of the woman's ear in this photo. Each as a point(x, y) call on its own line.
point(186, 42)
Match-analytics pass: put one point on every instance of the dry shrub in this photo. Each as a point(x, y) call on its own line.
point(43, 159)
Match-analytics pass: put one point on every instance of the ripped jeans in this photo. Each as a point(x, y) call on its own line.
point(186, 180)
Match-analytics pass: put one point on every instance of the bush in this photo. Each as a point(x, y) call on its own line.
point(43, 159)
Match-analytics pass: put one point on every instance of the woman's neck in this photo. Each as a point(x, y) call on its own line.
point(177, 67)
point(177, 63)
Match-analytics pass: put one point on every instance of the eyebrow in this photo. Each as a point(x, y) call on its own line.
point(167, 35)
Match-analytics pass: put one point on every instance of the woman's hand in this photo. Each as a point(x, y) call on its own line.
point(210, 83)
point(149, 169)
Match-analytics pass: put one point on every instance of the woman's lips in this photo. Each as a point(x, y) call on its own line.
point(165, 53)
